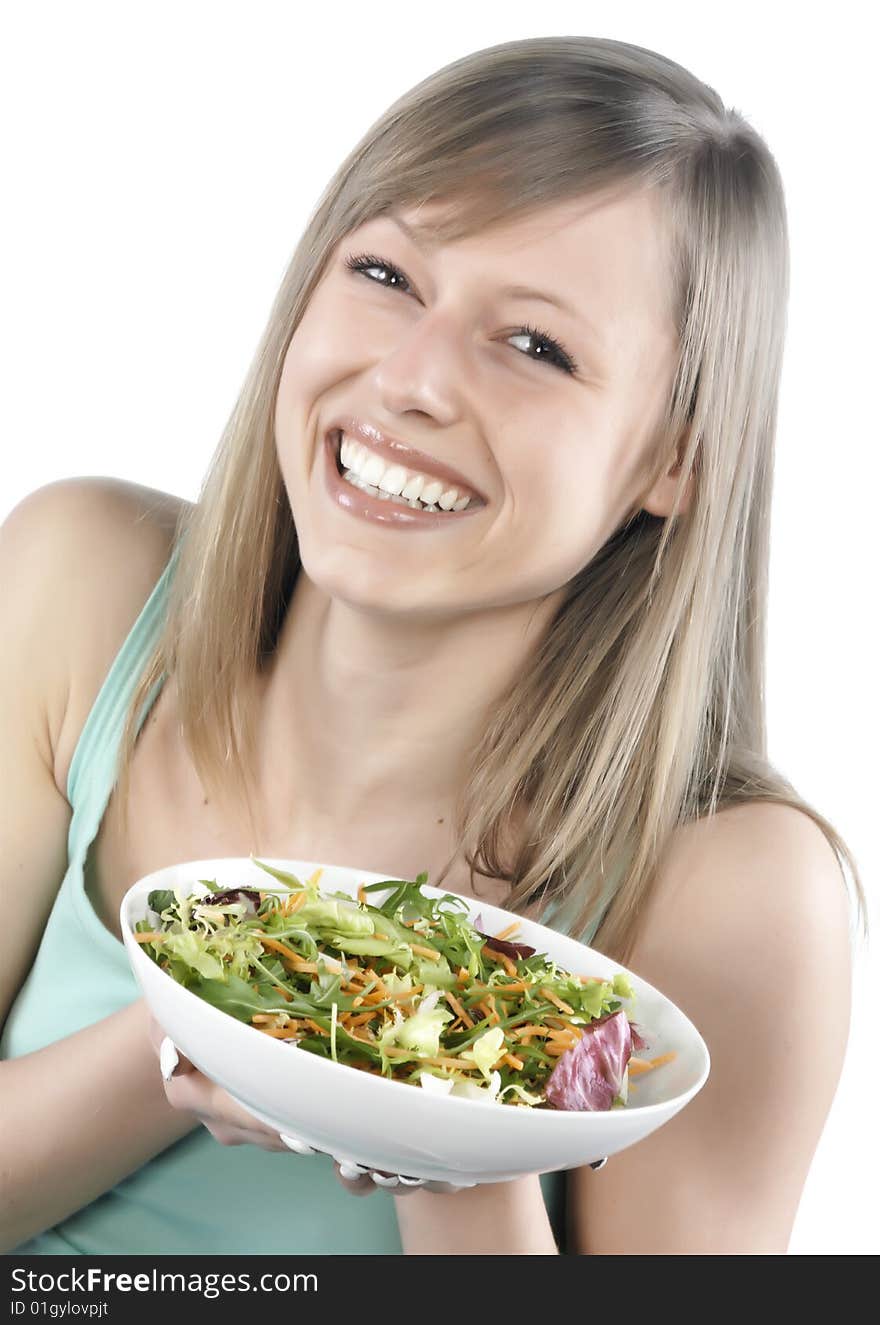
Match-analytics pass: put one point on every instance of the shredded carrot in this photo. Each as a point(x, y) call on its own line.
point(315, 1027)
point(362, 896)
point(434, 1062)
point(283, 992)
point(360, 1038)
point(551, 997)
point(356, 1002)
point(513, 1061)
point(519, 988)
point(280, 947)
point(640, 1065)
point(294, 902)
point(462, 976)
point(405, 997)
point(144, 937)
point(511, 929)
point(457, 1008)
point(422, 951)
point(533, 1030)
point(361, 1019)
point(503, 958)
point(558, 1047)
point(380, 988)
point(277, 1032)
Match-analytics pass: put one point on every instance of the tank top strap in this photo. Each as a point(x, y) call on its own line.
point(94, 767)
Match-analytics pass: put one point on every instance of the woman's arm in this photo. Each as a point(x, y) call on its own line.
point(749, 934)
point(78, 1117)
point(81, 1114)
point(503, 1218)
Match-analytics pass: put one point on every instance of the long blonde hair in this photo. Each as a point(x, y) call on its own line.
point(642, 708)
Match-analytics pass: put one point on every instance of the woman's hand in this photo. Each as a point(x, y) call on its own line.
point(188, 1089)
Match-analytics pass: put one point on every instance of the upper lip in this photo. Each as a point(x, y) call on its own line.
point(395, 451)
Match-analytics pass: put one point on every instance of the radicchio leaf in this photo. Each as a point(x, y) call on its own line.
point(590, 1074)
point(513, 950)
point(639, 1042)
point(249, 896)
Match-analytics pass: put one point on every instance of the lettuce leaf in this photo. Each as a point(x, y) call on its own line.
point(590, 1074)
point(486, 1050)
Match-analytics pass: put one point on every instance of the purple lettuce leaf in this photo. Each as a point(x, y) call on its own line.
point(590, 1074)
point(513, 950)
point(249, 896)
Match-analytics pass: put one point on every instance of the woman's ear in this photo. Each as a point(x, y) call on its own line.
point(659, 498)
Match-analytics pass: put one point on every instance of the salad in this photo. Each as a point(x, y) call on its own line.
point(408, 989)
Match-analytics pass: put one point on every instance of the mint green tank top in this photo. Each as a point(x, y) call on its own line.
point(197, 1196)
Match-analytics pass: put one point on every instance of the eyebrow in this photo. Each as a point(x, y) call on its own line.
point(511, 291)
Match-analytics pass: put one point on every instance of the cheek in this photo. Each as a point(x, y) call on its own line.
point(564, 507)
point(322, 353)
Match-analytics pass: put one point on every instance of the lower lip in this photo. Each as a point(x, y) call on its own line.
point(358, 502)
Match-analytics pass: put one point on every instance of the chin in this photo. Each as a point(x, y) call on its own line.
point(353, 577)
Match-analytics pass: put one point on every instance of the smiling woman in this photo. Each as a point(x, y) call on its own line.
point(476, 585)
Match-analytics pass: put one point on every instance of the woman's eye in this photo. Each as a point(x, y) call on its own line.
point(366, 262)
point(546, 349)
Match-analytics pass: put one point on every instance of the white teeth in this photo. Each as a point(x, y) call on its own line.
point(373, 470)
point(370, 473)
point(393, 479)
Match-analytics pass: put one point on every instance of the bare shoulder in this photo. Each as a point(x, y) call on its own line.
point(93, 548)
point(748, 931)
point(759, 872)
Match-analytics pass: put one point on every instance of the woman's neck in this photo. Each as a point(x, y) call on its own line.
point(383, 713)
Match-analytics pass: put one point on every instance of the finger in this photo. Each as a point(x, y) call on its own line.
point(388, 1181)
point(298, 1146)
point(238, 1136)
point(196, 1093)
point(354, 1178)
point(171, 1061)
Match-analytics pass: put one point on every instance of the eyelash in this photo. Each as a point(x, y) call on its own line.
point(360, 262)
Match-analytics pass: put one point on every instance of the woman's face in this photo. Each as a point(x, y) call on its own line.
point(431, 350)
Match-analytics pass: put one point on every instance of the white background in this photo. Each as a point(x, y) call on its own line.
point(159, 165)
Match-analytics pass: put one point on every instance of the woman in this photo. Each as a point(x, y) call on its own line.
point(549, 286)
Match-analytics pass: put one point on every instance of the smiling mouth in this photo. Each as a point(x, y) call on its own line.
point(397, 483)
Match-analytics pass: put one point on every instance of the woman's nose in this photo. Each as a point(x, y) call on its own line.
point(426, 370)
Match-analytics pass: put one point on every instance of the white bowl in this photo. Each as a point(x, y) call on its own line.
point(392, 1125)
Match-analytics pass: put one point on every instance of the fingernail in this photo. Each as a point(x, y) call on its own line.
point(411, 1182)
point(294, 1143)
point(168, 1059)
point(350, 1171)
point(385, 1182)
point(599, 1163)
